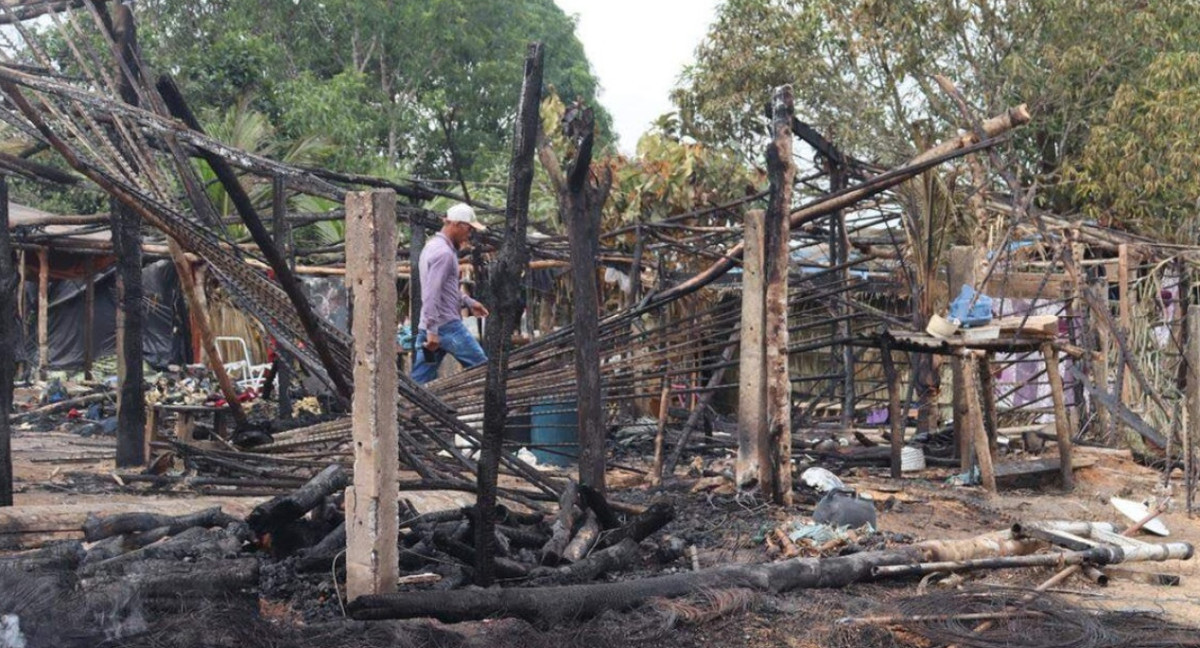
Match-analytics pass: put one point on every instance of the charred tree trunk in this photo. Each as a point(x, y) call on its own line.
point(507, 281)
point(582, 197)
point(283, 238)
point(271, 515)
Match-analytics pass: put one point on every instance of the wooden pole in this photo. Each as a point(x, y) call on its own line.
point(656, 470)
point(89, 317)
point(507, 285)
point(960, 271)
point(9, 335)
point(895, 413)
point(1061, 423)
point(415, 245)
point(987, 388)
point(43, 329)
point(987, 472)
point(777, 478)
point(582, 201)
point(283, 238)
point(372, 531)
point(1124, 311)
point(1104, 420)
point(752, 455)
point(1190, 434)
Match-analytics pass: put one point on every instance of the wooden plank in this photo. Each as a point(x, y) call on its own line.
point(1025, 285)
point(372, 531)
point(1061, 423)
point(1036, 473)
point(777, 479)
point(752, 386)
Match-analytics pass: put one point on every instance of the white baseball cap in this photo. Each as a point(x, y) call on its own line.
point(463, 213)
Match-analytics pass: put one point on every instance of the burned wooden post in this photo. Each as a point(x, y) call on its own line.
point(127, 248)
point(582, 198)
point(89, 317)
point(283, 238)
point(1124, 311)
point(43, 319)
point(372, 557)
point(987, 392)
point(415, 245)
point(1062, 425)
point(777, 480)
point(507, 286)
point(9, 337)
point(895, 413)
point(752, 455)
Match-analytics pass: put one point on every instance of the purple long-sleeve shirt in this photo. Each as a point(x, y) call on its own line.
point(442, 300)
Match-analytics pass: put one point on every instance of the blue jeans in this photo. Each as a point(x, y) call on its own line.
point(453, 339)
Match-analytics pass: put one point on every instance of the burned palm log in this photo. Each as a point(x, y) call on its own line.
point(168, 585)
point(63, 556)
point(584, 539)
point(522, 537)
point(272, 515)
point(550, 605)
point(614, 558)
point(596, 501)
point(505, 567)
point(321, 555)
point(99, 528)
point(560, 531)
point(656, 517)
point(194, 543)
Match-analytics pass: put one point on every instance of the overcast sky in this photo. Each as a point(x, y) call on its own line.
point(637, 49)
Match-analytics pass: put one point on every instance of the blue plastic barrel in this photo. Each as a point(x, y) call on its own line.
point(555, 425)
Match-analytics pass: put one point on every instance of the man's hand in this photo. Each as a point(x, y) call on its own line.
point(479, 310)
point(432, 342)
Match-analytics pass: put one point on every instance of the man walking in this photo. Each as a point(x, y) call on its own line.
point(441, 329)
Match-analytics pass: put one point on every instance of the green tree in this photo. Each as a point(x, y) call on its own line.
point(428, 86)
point(862, 72)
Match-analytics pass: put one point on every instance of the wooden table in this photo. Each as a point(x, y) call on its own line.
point(185, 420)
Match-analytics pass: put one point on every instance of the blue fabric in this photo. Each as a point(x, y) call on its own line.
point(453, 339)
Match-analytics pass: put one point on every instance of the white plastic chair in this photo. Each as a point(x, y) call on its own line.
point(249, 375)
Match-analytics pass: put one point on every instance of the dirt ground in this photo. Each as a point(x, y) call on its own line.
point(63, 469)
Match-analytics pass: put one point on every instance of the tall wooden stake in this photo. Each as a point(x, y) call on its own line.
point(752, 455)
point(583, 197)
point(1124, 311)
point(9, 285)
point(283, 239)
point(372, 528)
point(777, 229)
point(1062, 426)
point(507, 286)
point(43, 329)
point(89, 317)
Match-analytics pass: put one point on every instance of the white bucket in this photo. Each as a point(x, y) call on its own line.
point(912, 458)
